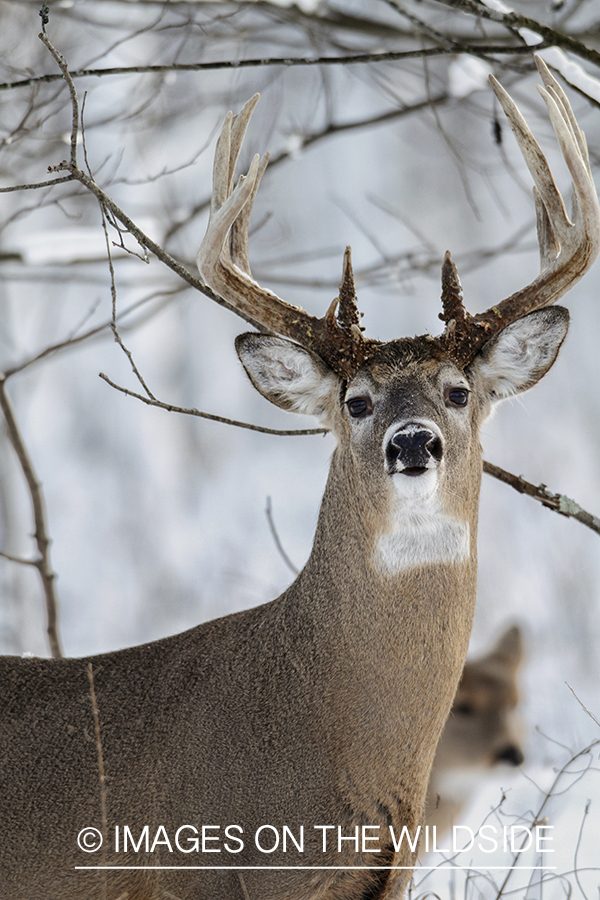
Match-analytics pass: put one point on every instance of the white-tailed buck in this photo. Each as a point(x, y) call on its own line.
point(310, 722)
point(482, 731)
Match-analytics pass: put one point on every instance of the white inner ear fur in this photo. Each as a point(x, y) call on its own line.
point(288, 376)
point(522, 353)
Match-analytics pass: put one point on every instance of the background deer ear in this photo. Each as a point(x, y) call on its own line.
point(516, 358)
point(288, 375)
point(509, 647)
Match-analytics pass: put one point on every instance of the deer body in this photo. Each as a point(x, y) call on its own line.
point(343, 683)
point(323, 707)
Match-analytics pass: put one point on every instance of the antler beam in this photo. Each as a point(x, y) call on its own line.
point(224, 264)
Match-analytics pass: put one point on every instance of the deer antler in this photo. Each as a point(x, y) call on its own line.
point(224, 265)
point(567, 248)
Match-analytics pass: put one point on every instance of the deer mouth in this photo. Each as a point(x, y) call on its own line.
point(414, 471)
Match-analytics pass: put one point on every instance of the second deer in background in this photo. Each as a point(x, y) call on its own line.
point(483, 730)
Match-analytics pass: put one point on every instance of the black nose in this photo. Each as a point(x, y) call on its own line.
point(511, 755)
point(413, 447)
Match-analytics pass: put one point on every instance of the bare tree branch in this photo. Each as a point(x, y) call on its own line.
point(560, 503)
point(284, 61)
point(74, 339)
point(538, 817)
point(34, 187)
point(550, 36)
point(42, 540)
point(62, 63)
point(152, 401)
point(18, 559)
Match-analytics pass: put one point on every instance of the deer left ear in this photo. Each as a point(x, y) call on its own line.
point(516, 358)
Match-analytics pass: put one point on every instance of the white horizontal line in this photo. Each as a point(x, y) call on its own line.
point(313, 868)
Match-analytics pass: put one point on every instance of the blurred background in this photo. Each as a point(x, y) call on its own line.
point(157, 520)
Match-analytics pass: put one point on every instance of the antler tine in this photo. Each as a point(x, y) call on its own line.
point(227, 152)
point(239, 229)
point(535, 160)
point(223, 261)
point(549, 244)
point(551, 84)
point(568, 247)
point(348, 314)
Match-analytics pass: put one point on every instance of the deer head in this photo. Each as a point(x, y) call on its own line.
point(414, 405)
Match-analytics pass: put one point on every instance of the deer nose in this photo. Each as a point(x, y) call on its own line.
point(511, 755)
point(411, 449)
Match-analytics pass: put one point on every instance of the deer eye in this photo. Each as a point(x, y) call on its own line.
point(457, 397)
point(359, 407)
point(464, 708)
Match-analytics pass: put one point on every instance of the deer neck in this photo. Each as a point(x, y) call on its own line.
point(372, 543)
point(394, 640)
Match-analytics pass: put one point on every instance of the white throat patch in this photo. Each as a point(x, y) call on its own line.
point(421, 534)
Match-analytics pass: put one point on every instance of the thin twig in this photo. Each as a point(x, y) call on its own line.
point(110, 206)
point(155, 248)
point(152, 401)
point(18, 559)
point(42, 540)
point(537, 818)
point(577, 848)
point(64, 68)
point(75, 339)
point(560, 503)
point(583, 706)
point(101, 774)
point(278, 544)
point(288, 62)
point(243, 885)
point(35, 187)
point(514, 20)
point(113, 321)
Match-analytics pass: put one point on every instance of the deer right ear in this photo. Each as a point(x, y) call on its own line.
point(288, 375)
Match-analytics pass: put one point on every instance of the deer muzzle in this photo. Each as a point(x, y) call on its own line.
point(511, 755)
point(413, 450)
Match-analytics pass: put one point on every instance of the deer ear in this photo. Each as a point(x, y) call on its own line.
point(287, 374)
point(509, 647)
point(516, 358)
